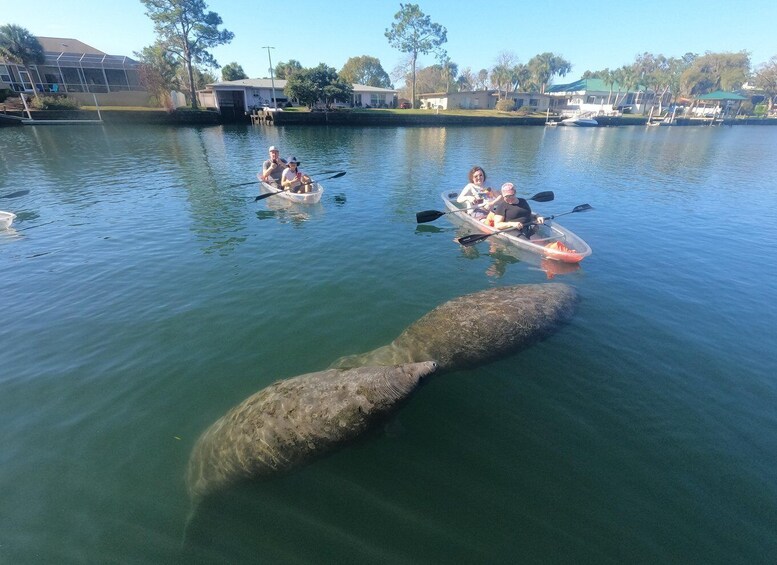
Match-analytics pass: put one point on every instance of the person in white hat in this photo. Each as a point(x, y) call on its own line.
point(514, 213)
point(272, 168)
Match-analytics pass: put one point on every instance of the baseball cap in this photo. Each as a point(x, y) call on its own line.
point(273, 148)
point(508, 188)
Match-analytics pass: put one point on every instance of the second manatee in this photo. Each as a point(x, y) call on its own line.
point(477, 328)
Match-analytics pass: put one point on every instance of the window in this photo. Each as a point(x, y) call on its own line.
point(534, 102)
point(376, 100)
point(5, 74)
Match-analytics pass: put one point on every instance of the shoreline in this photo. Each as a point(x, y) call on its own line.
point(375, 118)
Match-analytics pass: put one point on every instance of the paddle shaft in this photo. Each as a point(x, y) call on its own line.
point(472, 239)
point(254, 182)
point(263, 196)
point(432, 215)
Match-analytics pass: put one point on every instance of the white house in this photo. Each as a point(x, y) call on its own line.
point(593, 96)
point(240, 96)
point(482, 99)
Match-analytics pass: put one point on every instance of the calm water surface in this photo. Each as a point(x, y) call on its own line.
point(143, 294)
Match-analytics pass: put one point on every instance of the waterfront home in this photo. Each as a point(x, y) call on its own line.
point(237, 97)
point(718, 103)
point(482, 99)
point(596, 97)
point(80, 71)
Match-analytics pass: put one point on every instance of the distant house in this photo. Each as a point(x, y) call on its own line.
point(717, 103)
point(593, 95)
point(80, 71)
point(469, 100)
point(482, 99)
point(236, 97)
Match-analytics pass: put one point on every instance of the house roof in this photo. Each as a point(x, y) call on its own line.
point(721, 95)
point(584, 85)
point(67, 45)
point(280, 84)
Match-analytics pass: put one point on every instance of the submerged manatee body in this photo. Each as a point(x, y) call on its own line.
point(477, 328)
point(293, 422)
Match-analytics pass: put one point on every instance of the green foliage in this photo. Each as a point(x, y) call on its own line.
point(545, 66)
point(505, 105)
point(55, 103)
point(159, 72)
point(233, 71)
point(760, 110)
point(320, 83)
point(188, 31)
point(365, 70)
point(18, 45)
point(715, 71)
point(414, 32)
point(285, 70)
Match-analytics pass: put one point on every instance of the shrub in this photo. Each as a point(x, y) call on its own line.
point(505, 105)
point(54, 103)
point(524, 110)
point(760, 110)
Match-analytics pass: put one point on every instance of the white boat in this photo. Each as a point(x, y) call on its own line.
point(312, 197)
point(552, 240)
point(579, 120)
point(6, 219)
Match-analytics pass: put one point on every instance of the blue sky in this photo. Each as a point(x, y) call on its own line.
point(591, 35)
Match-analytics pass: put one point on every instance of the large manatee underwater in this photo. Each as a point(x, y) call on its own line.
point(476, 328)
point(295, 421)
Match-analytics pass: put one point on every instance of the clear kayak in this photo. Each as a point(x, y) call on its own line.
point(312, 197)
point(551, 240)
point(6, 219)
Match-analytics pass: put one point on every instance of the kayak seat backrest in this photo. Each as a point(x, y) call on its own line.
point(453, 194)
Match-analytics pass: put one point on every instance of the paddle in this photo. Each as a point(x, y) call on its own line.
point(16, 194)
point(432, 215)
point(254, 182)
point(263, 196)
point(474, 238)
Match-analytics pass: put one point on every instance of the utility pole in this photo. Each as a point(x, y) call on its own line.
point(272, 80)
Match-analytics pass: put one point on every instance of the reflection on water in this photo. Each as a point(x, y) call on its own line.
point(144, 293)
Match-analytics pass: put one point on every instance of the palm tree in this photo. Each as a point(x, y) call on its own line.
point(21, 47)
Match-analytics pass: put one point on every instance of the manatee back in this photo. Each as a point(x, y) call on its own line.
point(294, 421)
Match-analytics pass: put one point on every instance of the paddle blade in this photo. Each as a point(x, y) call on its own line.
point(546, 196)
point(267, 195)
point(473, 238)
point(428, 216)
point(583, 208)
point(338, 175)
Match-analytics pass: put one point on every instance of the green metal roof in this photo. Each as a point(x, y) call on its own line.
point(584, 85)
point(721, 95)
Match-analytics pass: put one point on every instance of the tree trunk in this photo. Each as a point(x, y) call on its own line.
point(192, 92)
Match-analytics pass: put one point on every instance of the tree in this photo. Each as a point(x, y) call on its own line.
point(545, 66)
point(414, 32)
point(319, 83)
point(482, 83)
point(715, 71)
point(285, 70)
point(233, 71)
point(188, 32)
point(19, 46)
point(158, 72)
point(365, 70)
point(466, 80)
point(766, 79)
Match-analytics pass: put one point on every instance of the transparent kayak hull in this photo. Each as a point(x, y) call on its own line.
point(552, 240)
point(312, 197)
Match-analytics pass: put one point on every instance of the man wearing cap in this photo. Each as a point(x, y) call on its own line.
point(514, 213)
point(272, 168)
